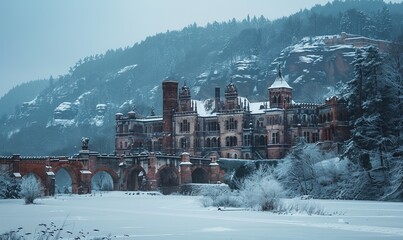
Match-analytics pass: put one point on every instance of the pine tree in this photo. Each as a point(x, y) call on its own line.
point(355, 97)
point(373, 106)
point(384, 23)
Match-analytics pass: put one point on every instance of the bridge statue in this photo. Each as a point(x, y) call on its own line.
point(84, 142)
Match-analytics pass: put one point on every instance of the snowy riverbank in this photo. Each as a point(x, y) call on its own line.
point(146, 216)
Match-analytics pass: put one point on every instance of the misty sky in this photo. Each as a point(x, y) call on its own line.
point(45, 37)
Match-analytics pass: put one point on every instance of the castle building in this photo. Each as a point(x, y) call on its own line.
point(232, 126)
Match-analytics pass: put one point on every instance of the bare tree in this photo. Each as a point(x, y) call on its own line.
point(102, 182)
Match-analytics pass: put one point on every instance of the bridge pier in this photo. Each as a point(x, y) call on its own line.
point(185, 171)
point(214, 173)
point(151, 180)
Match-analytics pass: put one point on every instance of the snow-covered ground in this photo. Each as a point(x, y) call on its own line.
point(182, 217)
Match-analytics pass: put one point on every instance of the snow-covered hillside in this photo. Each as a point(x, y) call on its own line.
point(315, 67)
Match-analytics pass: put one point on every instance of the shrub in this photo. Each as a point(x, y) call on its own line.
point(31, 189)
point(260, 190)
point(219, 195)
point(310, 207)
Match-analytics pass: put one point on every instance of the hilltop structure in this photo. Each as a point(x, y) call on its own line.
point(231, 126)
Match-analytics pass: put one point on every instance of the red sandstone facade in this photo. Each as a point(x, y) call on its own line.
point(232, 127)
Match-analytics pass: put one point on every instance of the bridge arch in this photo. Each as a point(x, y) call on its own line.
point(200, 175)
point(65, 168)
point(167, 179)
point(135, 178)
point(63, 181)
point(114, 176)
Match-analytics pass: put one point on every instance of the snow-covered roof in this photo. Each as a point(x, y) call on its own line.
point(205, 108)
point(17, 174)
point(258, 107)
point(280, 83)
point(149, 119)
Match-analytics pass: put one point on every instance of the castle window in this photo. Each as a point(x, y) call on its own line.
point(246, 140)
point(315, 137)
point(184, 126)
point(208, 142)
point(213, 142)
point(213, 126)
point(306, 137)
point(231, 141)
point(159, 145)
point(183, 143)
point(275, 138)
point(231, 124)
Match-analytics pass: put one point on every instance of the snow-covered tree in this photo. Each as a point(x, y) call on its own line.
point(393, 117)
point(9, 187)
point(375, 112)
point(297, 170)
point(31, 189)
point(261, 190)
point(384, 23)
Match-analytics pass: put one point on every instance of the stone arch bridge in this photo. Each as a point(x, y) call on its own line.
point(146, 171)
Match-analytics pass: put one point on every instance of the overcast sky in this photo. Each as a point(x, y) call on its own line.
point(45, 37)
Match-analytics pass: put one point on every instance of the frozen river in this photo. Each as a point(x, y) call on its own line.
point(125, 216)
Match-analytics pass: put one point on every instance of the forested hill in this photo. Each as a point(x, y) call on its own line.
point(22, 93)
point(83, 101)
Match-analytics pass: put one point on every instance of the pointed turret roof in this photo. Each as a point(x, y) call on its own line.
point(279, 82)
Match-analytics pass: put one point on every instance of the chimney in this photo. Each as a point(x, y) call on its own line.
point(217, 99)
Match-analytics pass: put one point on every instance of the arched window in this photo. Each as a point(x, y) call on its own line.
point(213, 142)
point(234, 141)
point(208, 144)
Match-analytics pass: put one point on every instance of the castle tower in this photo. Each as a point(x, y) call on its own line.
point(185, 103)
point(170, 101)
point(280, 93)
point(231, 97)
